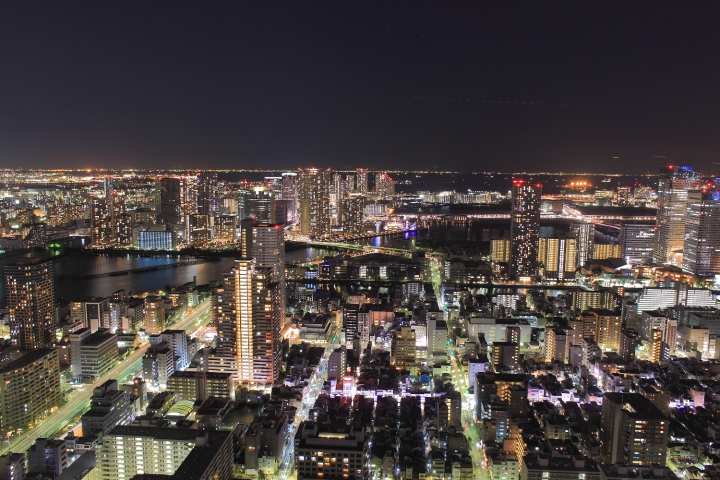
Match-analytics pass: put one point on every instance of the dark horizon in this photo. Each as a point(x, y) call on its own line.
point(600, 87)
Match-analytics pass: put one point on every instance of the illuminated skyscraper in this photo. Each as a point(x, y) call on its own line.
point(265, 243)
point(207, 193)
point(260, 205)
point(673, 185)
point(290, 195)
point(525, 228)
point(350, 214)
point(169, 208)
point(584, 234)
point(314, 197)
point(702, 233)
point(384, 185)
point(362, 180)
point(249, 321)
point(30, 293)
point(100, 222)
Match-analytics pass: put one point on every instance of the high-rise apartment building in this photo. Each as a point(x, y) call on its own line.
point(265, 243)
point(29, 390)
point(350, 214)
point(505, 355)
point(524, 228)
point(314, 198)
point(633, 430)
point(169, 208)
point(674, 183)
point(101, 226)
point(207, 193)
point(154, 320)
point(403, 348)
point(249, 322)
point(384, 185)
point(701, 252)
point(30, 293)
point(607, 328)
point(557, 258)
point(584, 234)
point(362, 180)
point(180, 453)
point(637, 242)
point(290, 195)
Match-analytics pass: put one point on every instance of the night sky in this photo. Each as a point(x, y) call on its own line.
point(284, 84)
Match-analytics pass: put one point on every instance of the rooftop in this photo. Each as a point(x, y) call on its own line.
point(27, 359)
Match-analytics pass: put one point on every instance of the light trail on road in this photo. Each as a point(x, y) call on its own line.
point(77, 406)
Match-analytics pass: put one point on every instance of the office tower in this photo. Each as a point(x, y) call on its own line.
point(636, 243)
point(584, 234)
point(384, 185)
point(524, 228)
point(362, 180)
point(154, 320)
point(350, 214)
point(100, 223)
point(207, 193)
point(702, 233)
point(169, 208)
point(505, 355)
point(249, 322)
point(290, 195)
point(314, 198)
point(557, 258)
point(280, 210)
point(184, 453)
point(92, 355)
point(29, 390)
point(260, 205)
point(633, 430)
point(403, 348)
point(674, 183)
point(30, 293)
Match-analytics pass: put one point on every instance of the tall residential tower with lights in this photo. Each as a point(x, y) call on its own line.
point(249, 322)
point(525, 228)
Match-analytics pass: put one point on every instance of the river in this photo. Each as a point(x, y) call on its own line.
point(69, 288)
